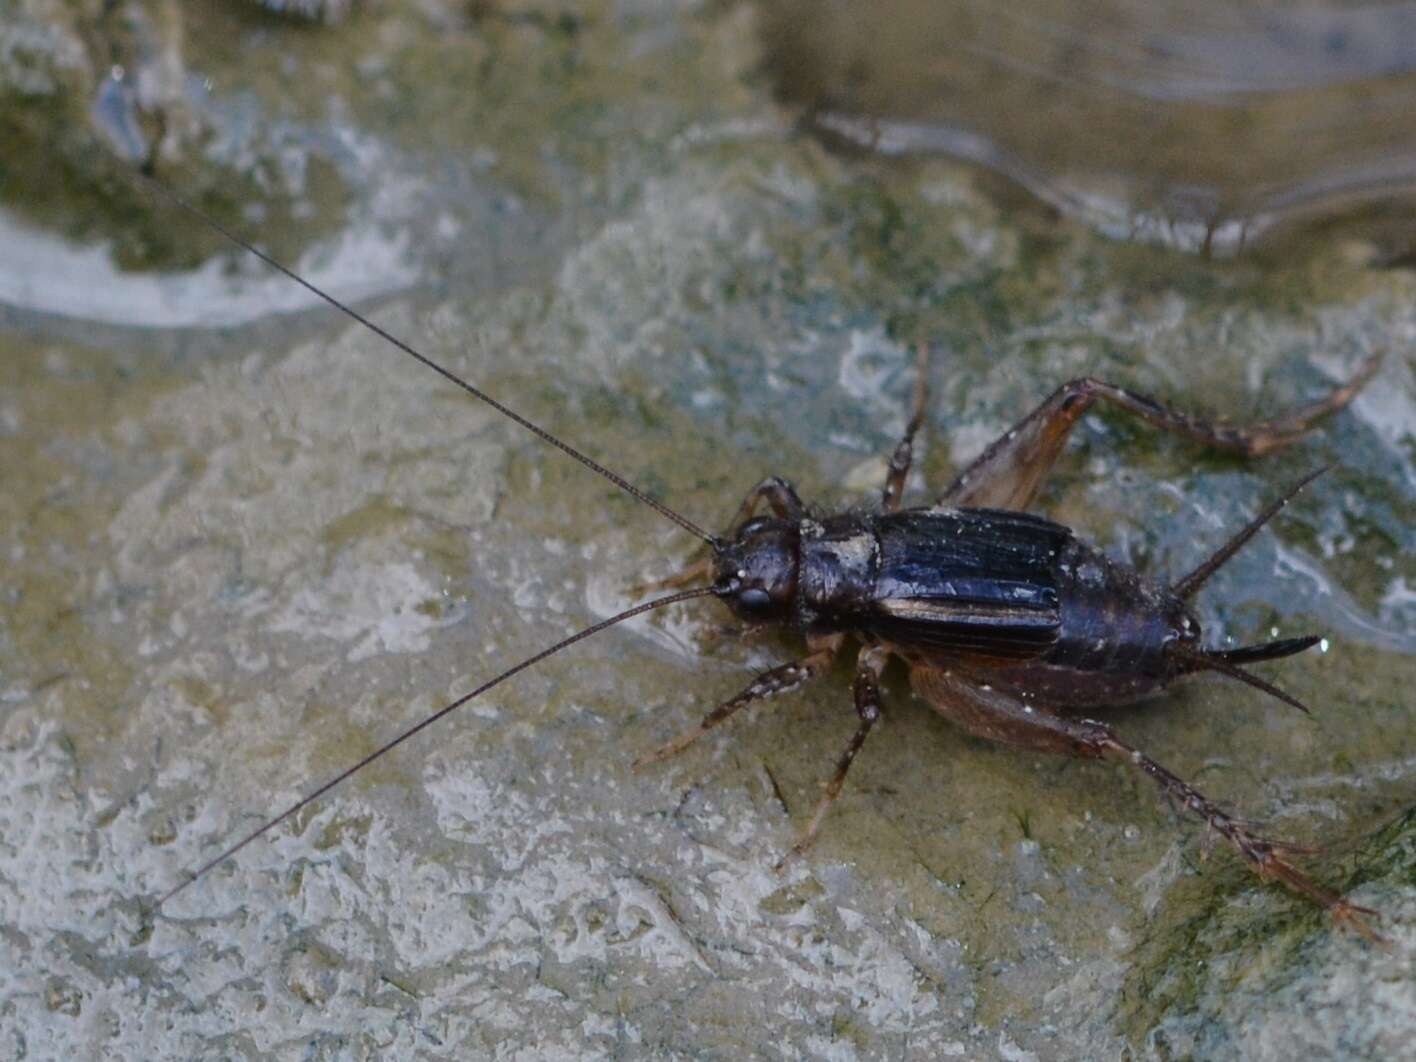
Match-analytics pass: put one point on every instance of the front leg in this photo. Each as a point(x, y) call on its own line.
point(780, 496)
point(1008, 474)
point(782, 679)
point(998, 715)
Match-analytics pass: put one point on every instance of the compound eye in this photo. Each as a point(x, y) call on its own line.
point(754, 600)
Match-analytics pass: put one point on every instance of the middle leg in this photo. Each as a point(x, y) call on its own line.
point(869, 666)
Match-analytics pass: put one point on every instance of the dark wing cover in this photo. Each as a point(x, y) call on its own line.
point(976, 581)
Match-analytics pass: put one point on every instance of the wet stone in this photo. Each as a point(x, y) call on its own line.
point(243, 542)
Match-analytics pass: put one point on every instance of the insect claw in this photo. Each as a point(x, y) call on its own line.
point(1264, 858)
point(663, 752)
point(1253, 828)
point(1290, 848)
point(1354, 917)
point(792, 853)
point(1275, 845)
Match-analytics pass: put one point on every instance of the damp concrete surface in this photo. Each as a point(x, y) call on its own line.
point(245, 542)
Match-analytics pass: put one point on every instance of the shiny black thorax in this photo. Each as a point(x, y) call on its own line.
point(1019, 591)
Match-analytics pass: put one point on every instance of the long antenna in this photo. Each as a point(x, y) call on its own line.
point(1186, 587)
point(447, 374)
point(686, 595)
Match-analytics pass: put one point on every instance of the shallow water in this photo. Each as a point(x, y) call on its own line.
point(1204, 126)
point(246, 542)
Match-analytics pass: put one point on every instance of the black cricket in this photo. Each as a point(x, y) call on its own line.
point(1011, 626)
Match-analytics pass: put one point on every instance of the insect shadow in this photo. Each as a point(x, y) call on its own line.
point(1011, 626)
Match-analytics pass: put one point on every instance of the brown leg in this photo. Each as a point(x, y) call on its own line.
point(780, 496)
point(903, 456)
point(1002, 716)
point(699, 570)
point(869, 665)
point(1008, 474)
point(781, 679)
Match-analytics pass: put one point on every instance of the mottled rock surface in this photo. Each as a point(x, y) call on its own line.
point(245, 542)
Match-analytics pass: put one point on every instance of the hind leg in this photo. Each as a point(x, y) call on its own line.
point(1009, 472)
point(998, 715)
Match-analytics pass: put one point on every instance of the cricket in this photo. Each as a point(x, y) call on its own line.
point(1010, 625)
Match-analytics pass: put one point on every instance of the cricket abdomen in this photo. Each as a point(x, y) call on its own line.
point(1114, 636)
point(1113, 619)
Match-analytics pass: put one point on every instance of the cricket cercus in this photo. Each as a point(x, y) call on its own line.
point(1010, 625)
